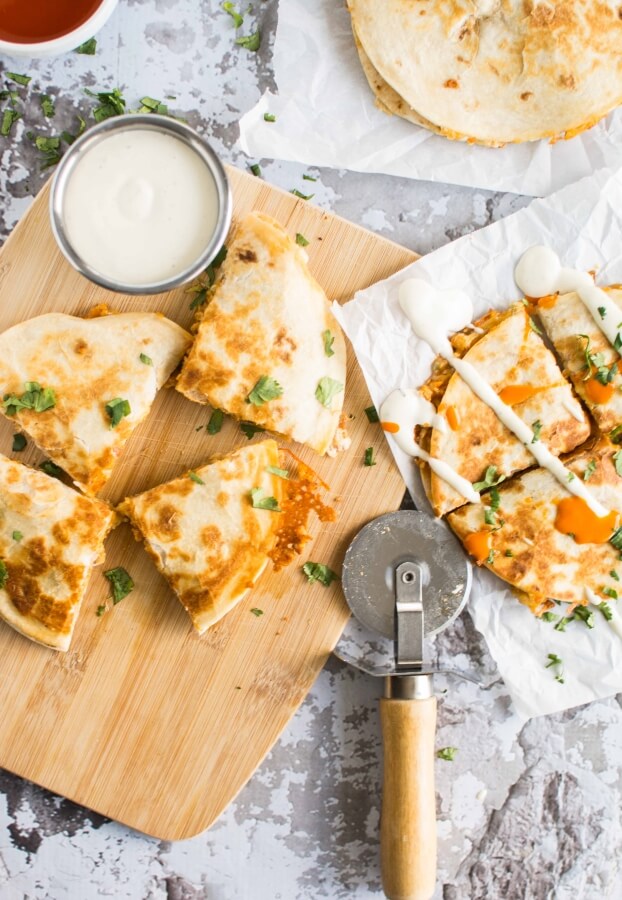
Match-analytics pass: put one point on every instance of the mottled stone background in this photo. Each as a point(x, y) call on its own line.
point(525, 811)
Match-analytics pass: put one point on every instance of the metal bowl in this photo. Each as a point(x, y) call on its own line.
point(141, 122)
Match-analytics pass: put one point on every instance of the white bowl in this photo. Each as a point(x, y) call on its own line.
point(66, 42)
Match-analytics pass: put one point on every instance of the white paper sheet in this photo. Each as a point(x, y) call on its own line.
point(326, 116)
point(583, 223)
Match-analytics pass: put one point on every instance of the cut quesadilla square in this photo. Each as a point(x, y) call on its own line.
point(50, 538)
point(268, 349)
point(79, 387)
point(512, 357)
point(587, 356)
point(523, 546)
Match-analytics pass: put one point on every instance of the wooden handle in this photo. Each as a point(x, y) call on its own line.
point(408, 821)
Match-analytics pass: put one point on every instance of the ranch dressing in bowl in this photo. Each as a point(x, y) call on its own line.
point(141, 206)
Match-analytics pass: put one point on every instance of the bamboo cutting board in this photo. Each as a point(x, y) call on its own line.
point(142, 720)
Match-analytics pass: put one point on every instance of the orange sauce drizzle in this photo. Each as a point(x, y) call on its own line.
point(452, 418)
point(548, 301)
point(575, 517)
point(479, 545)
point(391, 427)
point(518, 393)
point(597, 392)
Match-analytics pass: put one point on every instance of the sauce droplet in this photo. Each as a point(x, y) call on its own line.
point(391, 427)
point(518, 393)
point(452, 418)
point(479, 545)
point(596, 392)
point(548, 301)
point(576, 518)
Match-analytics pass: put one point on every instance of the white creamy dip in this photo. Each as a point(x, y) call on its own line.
point(140, 206)
point(539, 272)
point(433, 315)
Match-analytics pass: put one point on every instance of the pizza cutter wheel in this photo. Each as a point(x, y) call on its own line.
point(406, 577)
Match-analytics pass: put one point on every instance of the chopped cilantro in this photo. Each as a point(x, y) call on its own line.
point(215, 421)
point(372, 414)
point(265, 389)
point(116, 410)
point(101, 609)
point(50, 147)
point(617, 342)
point(617, 461)
point(447, 753)
point(256, 170)
point(250, 41)
point(146, 359)
point(268, 117)
point(50, 468)
point(570, 477)
point(250, 429)
point(327, 388)
point(555, 661)
point(533, 326)
point(201, 288)
point(490, 559)
point(121, 583)
point(194, 477)
point(561, 625)
point(609, 592)
point(24, 80)
point(328, 339)
point(537, 428)
point(88, 48)
point(9, 117)
point(616, 539)
point(35, 397)
point(490, 513)
point(152, 105)
point(111, 103)
point(19, 442)
point(606, 610)
point(257, 612)
point(589, 470)
point(508, 552)
point(47, 106)
point(4, 574)
point(614, 575)
point(17, 536)
point(238, 18)
point(585, 614)
point(280, 473)
point(602, 311)
point(490, 479)
point(548, 617)
point(318, 572)
point(301, 196)
point(369, 457)
point(301, 240)
point(258, 501)
point(309, 178)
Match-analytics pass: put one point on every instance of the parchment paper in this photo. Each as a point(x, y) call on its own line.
point(326, 116)
point(583, 223)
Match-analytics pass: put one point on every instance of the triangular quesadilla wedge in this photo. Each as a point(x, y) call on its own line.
point(79, 387)
point(588, 358)
point(268, 349)
point(50, 538)
point(212, 531)
point(525, 548)
point(512, 357)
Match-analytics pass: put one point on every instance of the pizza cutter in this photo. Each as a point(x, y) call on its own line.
point(405, 577)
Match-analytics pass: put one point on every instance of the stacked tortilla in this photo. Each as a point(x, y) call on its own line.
point(492, 72)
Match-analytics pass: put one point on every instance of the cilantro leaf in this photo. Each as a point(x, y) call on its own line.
point(369, 457)
point(9, 118)
point(257, 612)
point(308, 178)
point(589, 470)
point(300, 195)
point(146, 359)
point(602, 311)
point(327, 388)
point(116, 410)
point(616, 538)
point(268, 117)
point(319, 572)
point(250, 429)
point(328, 339)
point(256, 170)
point(608, 592)
point(238, 18)
point(537, 428)
point(215, 421)
point(490, 479)
point(372, 414)
point(121, 583)
point(301, 240)
point(17, 536)
point(4, 574)
point(266, 389)
point(111, 103)
point(258, 500)
point(152, 105)
point(554, 660)
point(50, 468)
point(606, 610)
point(280, 473)
point(88, 48)
point(447, 753)
point(250, 41)
point(19, 442)
point(35, 397)
point(586, 615)
point(617, 461)
point(47, 106)
point(24, 80)
point(194, 477)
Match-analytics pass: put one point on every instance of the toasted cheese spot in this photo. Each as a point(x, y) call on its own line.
point(451, 83)
point(247, 255)
point(80, 347)
point(526, 95)
point(211, 536)
point(596, 392)
point(574, 517)
point(222, 498)
point(165, 526)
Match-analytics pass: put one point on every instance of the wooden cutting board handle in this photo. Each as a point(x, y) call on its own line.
point(408, 820)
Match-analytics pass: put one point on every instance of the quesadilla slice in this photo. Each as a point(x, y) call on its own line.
point(589, 360)
point(545, 542)
point(268, 349)
point(511, 356)
point(50, 539)
point(212, 531)
point(79, 387)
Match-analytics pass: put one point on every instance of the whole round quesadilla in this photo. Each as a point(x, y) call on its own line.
point(212, 532)
point(490, 71)
point(268, 349)
point(506, 350)
point(50, 539)
point(79, 387)
point(523, 544)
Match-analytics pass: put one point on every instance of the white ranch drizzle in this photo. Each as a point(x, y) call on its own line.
point(572, 410)
point(539, 272)
point(407, 409)
point(433, 315)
